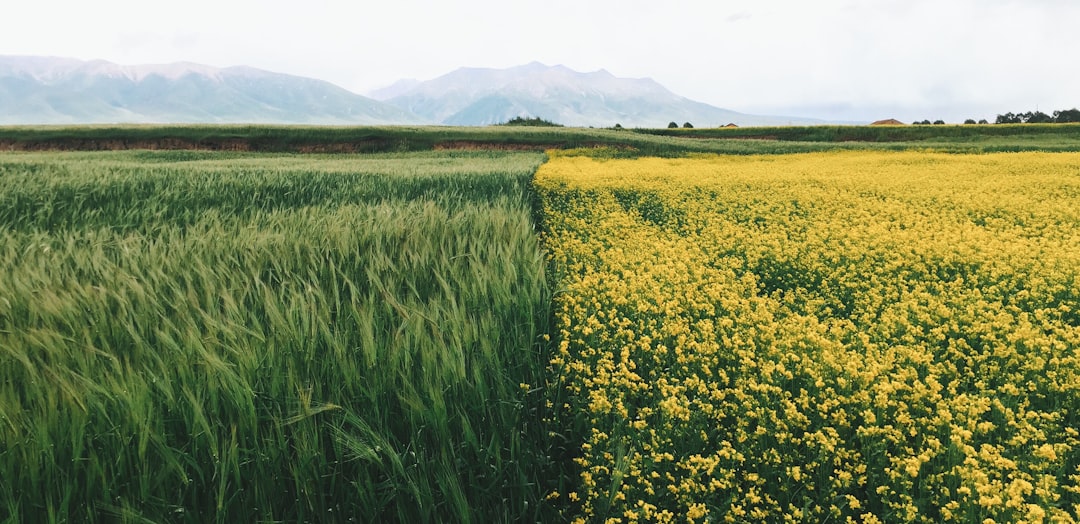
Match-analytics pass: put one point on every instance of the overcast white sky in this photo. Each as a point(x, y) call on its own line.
point(833, 59)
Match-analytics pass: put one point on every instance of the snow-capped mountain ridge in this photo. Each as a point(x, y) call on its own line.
point(47, 90)
point(478, 96)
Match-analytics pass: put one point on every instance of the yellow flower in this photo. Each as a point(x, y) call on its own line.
point(885, 319)
point(695, 512)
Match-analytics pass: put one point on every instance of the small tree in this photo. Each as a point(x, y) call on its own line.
point(1009, 118)
point(687, 126)
point(529, 121)
point(672, 125)
point(983, 121)
point(939, 122)
point(618, 126)
point(969, 121)
point(1038, 117)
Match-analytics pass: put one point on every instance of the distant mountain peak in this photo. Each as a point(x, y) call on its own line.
point(534, 65)
point(397, 88)
point(48, 90)
point(479, 96)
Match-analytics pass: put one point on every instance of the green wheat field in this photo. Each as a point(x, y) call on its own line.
point(208, 337)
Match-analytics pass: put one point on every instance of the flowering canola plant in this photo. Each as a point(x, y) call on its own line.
point(841, 336)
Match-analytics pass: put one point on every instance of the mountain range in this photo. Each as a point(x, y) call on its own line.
point(43, 90)
point(46, 90)
point(480, 96)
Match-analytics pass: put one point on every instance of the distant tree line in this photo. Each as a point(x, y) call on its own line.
point(1030, 117)
point(1038, 117)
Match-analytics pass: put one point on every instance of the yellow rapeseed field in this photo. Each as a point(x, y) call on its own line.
point(845, 336)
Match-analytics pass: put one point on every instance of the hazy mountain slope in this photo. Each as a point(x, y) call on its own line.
point(46, 90)
point(478, 96)
point(42, 90)
point(397, 88)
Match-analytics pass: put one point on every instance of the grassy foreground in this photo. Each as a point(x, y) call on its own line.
point(199, 337)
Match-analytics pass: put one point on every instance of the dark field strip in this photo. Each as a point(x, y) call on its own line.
point(626, 142)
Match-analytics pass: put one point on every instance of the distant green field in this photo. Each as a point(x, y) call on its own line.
point(948, 138)
point(632, 142)
point(219, 337)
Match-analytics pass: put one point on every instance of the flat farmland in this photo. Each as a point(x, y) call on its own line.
point(647, 328)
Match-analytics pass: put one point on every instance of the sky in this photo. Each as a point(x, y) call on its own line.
point(856, 60)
